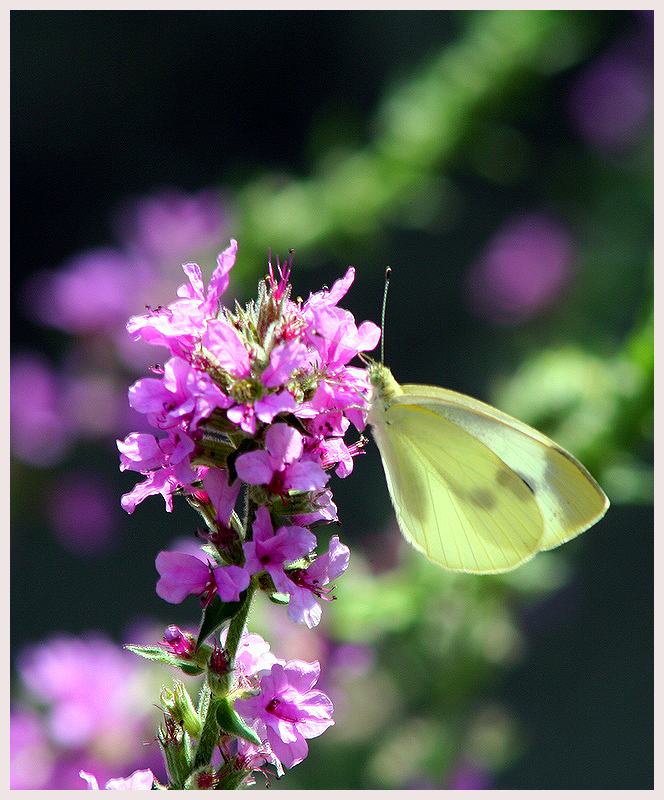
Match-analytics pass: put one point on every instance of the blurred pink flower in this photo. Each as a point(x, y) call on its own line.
point(40, 428)
point(87, 684)
point(82, 510)
point(523, 270)
point(31, 756)
point(612, 99)
point(168, 225)
point(141, 779)
point(92, 293)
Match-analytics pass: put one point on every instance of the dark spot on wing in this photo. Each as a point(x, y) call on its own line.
point(483, 498)
point(503, 477)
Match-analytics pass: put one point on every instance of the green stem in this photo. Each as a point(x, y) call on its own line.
point(209, 736)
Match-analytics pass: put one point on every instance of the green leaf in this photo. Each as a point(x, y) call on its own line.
point(159, 654)
point(232, 723)
point(215, 614)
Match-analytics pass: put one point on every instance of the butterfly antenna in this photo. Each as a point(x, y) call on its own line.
point(388, 272)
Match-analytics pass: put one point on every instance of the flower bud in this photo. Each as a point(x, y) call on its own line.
point(221, 679)
point(179, 642)
point(179, 705)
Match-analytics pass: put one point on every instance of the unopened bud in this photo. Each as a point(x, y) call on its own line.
point(220, 672)
point(179, 642)
point(178, 704)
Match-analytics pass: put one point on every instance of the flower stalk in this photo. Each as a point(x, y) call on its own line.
point(253, 401)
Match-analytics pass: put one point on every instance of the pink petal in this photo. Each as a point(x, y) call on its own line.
point(231, 581)
point(181, 574)
point(255, 467)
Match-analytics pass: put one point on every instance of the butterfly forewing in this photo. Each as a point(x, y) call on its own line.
point(569, 499)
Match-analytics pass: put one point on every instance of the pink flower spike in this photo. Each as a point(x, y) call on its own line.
point(181, 574)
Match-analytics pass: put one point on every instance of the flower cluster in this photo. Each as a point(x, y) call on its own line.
point(254, 400)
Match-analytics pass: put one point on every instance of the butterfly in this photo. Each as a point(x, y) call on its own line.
point(474, 489)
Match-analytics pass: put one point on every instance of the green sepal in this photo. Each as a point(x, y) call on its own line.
point(187, 665)
point(215, 614)
point(176, 752)
point(232, 723)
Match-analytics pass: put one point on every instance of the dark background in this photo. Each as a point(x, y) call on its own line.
point(107, 105)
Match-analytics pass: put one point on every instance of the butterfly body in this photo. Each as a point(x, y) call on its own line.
point(474, 489)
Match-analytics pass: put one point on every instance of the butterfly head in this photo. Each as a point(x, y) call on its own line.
point(384, 385)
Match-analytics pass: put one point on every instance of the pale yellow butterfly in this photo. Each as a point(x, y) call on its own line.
point(474, 489)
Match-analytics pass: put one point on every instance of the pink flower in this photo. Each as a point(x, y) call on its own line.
point(308, 583)
point(183, 574)
point(336, 452)
point(285, 358)
point(291, 711)
point(141, 779)
point(164, 481)
point(86, 685)
point(170, 223)
point(40, 425)
point(229, 353)
point(31, 756)
point(525, 269)
point(90, 294)
point(270, 551)
point(283, 465)
point(184, 395)
point(332, 330)
point(323, 510)
point(179, 326)
point(178, 642)
point(253, 653)
point(269, 406)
